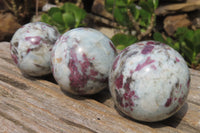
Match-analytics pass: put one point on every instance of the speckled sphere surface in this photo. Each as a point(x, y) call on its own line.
point(31, 47)
point(81, 60)
point(149, 81)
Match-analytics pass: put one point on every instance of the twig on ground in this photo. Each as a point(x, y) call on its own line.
point(149, 28)
point(136, 25)
point(36, 9)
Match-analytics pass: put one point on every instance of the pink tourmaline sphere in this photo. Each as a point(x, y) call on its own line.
point(149, 81)
point(81, 60)
point(31, 47)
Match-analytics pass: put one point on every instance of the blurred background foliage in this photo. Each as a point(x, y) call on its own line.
point(131, 20)
point(136, 18)
point(66, 17)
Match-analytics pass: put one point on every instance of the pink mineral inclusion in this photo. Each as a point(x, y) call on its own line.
point(15, 58)
point(115, 63)
point(35, 40)
point(147, 49)
point(147, 62)
point(168, 103)
point(64, 38)
point(112, 46)
point(85, 64)
point(77, 80)
point(128, 96)
point(127, 86)
point(177, 60)
point(79, 70)
point(28, 50)
point(153, 67)
point(126, 100)
point(119, 81)
point(181, 100)
point(150, 42)
point(93, 72)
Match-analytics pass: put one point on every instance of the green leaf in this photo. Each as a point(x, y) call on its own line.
point(79, 16)
point(121, 3)
point(45, 18)
point(189, 35)
point(68, 19)
point(180, 33)
point(109, 5)
point(62, 29)
point(122, 39)
point(57, 17)
point(197, 41)
point(145, 17)
point(185, 36)
point(155, 3)
point(137, 14)
point(121, 16)
point(68, 7)
point(120, 47)
point(187, 52)
point(78, 13)
point(53, 10)
point(158, 37)
point(147, 5)
point(135, 11)
point(177, 46)
point(174, 45)
point(142, 30)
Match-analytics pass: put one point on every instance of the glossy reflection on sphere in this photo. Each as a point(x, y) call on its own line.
point(31, 47)
point(149, 81)
point(81, 60)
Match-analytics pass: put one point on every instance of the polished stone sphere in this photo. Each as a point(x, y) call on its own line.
point(149, 81)
point(81, 60)
point(31, 47)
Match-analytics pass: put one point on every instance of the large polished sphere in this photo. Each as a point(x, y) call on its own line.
point(149, 81)
point(31, 47)
point(81, 60)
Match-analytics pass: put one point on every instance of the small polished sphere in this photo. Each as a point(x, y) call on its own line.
point(81, 60)
point(31, 47)
point(149, 81)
